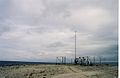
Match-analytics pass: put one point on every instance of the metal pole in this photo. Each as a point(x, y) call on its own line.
point(75, 47)
point(75, 44)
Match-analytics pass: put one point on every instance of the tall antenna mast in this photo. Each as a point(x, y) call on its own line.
point(75, 47)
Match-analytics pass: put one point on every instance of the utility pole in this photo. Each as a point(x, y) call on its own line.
point(75, 48)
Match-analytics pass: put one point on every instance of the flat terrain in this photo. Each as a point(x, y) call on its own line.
point(58, 71)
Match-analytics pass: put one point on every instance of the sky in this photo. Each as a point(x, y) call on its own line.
point(41, 30)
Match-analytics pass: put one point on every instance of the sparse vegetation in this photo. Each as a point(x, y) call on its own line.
point(56, 71)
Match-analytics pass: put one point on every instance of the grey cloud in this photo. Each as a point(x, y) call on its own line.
point(111, 50)
point(4, 29)
point(56, 44)
point(47, 27)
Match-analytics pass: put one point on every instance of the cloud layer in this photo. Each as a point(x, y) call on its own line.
point(40, 30)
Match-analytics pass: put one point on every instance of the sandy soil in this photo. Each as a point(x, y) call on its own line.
point(58, 71)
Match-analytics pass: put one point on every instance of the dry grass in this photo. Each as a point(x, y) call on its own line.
point(58, 71)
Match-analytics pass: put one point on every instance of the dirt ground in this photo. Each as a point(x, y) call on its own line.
point(58, 71)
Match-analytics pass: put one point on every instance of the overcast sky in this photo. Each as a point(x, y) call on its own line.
point(41, 30)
